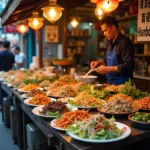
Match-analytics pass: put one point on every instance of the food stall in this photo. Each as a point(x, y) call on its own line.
point(76, 100)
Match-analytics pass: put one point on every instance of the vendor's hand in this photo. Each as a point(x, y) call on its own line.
point(94, 64)
point(102, 69)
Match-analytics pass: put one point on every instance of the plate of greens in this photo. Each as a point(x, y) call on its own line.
point(53, 109)
point(140, 120)
point(98, 129)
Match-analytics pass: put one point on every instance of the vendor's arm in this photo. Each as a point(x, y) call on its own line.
point(106, 69)
point(125, 59)
point(95, 64)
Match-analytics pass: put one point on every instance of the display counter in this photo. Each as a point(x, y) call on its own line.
point(60, 139)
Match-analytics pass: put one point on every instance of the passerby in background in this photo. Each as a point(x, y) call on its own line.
point(7, 61)
point(7, 58)
point(19, 58)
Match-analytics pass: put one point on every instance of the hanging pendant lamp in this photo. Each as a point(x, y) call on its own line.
point(108, 5)
point(99, 12)
point(52, 11)
point(22, 27)
point(35, 22)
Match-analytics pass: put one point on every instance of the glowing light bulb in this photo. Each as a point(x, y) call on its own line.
point(52, 13)
point(74, 23)
point(99, 13)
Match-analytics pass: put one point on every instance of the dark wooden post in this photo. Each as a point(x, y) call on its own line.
point(65, 34)
point(40, 48)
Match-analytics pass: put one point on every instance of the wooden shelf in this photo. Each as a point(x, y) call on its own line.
point(70, 36)
point(138, 42)
point(75, 46)
point(142, 55)
point(132, 17)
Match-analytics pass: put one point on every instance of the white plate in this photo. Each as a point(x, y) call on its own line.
point(40, 108)
point(85, 107)
point(26, 101)
point(25, 96)
point(15, 88)
point(5, 82)
point(23, 91)
point(1, 79)
point(57, 128)
point(9, 85)
point(65, 99)
point(119, 125)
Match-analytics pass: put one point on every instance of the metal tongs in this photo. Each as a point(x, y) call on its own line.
point(90, 71)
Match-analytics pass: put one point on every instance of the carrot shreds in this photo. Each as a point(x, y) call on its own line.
point(69, 118)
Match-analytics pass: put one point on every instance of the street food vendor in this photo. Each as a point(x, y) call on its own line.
point(119, 63)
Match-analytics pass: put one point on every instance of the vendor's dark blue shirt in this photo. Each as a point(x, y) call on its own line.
point(6, 60)
point(124, 54)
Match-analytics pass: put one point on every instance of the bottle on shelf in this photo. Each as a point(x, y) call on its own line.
point(145, 48)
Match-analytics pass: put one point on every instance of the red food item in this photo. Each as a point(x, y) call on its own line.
point(144, 102)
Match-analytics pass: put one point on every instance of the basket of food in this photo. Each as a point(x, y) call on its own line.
point(62, 62)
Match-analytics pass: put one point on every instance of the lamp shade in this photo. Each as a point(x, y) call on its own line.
point(35, 22)
point(52, 12)
point(108, 5)
point(22, 27)
point(74, 23)
point(99, 12)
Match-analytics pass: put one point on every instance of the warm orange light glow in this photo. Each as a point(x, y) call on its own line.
point(52, 12)
point(108, 5)
point(35, 22)
point(99, 13)
point(74, 23)
point(22, 27)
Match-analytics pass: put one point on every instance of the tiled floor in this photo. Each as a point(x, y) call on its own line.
point(6, 142)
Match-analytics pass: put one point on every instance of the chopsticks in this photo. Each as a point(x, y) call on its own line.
point(90, 71)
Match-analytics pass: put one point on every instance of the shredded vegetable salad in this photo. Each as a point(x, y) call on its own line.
point(97, 127)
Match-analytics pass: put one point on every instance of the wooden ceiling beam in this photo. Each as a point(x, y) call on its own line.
point(22, 9)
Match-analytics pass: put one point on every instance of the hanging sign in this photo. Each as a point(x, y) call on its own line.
point(143, 31)
point(10, 29)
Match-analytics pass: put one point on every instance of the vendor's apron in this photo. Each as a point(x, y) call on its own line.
point(114, 77)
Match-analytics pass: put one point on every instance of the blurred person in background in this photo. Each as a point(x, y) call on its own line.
point(7, 61)
point(1, 45)
point(19, 58)
point(7, 58)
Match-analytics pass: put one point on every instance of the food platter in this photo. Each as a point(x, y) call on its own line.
point(48, 93)
point(57, 128)
point(64, 99)
point(62, 62)
point(119, 125)
point(40, 108)
point(139, 124)
point(23, 91)
point(37, 109)
point(26, 101)
point(84, 107)
point(116, 115)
